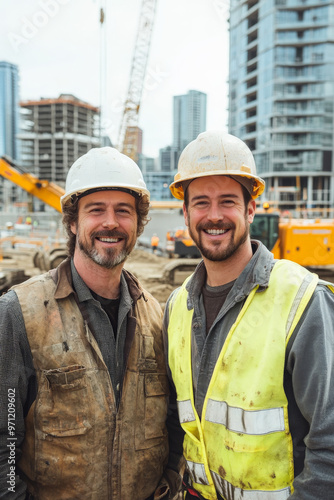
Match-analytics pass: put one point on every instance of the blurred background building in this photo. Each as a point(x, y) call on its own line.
point(9, 124)
point(189, 117)
point(281, 94)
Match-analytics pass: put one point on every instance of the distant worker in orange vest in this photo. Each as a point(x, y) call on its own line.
point(154, 242)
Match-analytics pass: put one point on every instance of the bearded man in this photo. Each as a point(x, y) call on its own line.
point(82, 353)
point(249, 344)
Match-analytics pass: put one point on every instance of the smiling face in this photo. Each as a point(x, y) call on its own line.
point(106, 230)
point(217, 217)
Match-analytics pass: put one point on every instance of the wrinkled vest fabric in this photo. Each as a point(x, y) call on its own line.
point(76, 444)
point(242, 446)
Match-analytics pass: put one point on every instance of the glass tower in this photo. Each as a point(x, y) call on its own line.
point(189, 118)
point(9, 110)
point(281, 96)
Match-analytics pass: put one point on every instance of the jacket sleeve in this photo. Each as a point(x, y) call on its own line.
point(310, 362)
point(17, 392)
point(175, 431)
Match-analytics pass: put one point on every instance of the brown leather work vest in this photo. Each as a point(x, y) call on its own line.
point(77, 445)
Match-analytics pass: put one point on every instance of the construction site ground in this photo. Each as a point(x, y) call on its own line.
point(153, 273)
point(159, 275)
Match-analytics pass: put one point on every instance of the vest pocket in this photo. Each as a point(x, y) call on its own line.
point(63, 402)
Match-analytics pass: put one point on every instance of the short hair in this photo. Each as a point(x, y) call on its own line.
point(70, 216)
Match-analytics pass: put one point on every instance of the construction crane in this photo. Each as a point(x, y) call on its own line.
point(128, 131)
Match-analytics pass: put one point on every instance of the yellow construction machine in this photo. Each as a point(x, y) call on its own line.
point(180, 244)
point(46, 191)
point(309, 242)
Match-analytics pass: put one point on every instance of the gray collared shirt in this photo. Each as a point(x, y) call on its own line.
point(110, 343)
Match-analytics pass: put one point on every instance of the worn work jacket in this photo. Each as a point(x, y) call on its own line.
point(77, 443)
point(242, 446)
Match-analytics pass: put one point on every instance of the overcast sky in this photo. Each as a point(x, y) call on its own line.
point(56, 44)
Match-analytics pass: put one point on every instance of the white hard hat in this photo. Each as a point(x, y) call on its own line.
point(104, 168)
point(217, 153)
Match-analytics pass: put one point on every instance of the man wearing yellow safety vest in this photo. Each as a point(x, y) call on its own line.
point(250, 346)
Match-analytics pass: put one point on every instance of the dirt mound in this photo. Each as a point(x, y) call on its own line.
point(160, 291)
point(139, 255)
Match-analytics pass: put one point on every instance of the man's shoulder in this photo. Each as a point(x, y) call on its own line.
point(39, 278)
point(41, 284)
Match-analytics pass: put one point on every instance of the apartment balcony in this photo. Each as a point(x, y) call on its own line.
point(286, 111)
point(301, 25)
point(302, 4)
point(251, 74)
point(298, 79)
point(248, 122)
point(300, 128)
point(298, 145)
point(302, 96)
point(248, 105)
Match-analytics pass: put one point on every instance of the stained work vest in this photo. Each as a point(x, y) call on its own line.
point(76, 444)
point(242, 446)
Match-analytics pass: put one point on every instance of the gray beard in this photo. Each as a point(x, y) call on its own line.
point(108, 261)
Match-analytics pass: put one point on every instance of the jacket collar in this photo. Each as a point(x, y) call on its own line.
point(256, 273)
point(67, 279)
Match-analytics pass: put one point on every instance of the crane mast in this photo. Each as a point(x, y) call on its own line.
point(128, 132)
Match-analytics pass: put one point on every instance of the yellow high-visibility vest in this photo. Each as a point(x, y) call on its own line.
point(242, 446)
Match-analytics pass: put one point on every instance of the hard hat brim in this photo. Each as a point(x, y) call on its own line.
point(177, 188)
point(114, 187)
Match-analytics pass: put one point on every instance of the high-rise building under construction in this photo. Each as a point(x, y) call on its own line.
point(281, 95)
point(55, 133)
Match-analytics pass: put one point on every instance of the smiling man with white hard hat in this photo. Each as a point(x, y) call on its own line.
point(249, 344)
point(82, 350)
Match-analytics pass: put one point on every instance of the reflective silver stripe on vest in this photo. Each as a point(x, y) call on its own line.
point(247, 422)
point(300, 294)
point(186, 412)
point(226, 490)
point(197, 472)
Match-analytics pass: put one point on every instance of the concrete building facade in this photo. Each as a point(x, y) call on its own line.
point(281, 96)
point(55, 132)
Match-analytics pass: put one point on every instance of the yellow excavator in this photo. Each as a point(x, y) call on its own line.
point(309, 242)
point(46, 191)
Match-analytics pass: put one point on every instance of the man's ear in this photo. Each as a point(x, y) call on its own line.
point(185, 214)
point(74, 227)
point(251, 211)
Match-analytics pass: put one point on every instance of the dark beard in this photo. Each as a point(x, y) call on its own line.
point(225, 253)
